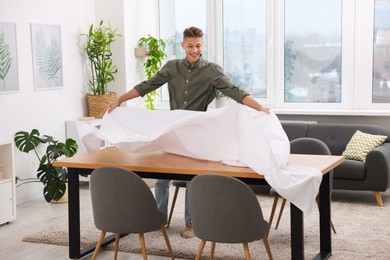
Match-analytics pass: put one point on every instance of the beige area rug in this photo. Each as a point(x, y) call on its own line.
point(363, 232)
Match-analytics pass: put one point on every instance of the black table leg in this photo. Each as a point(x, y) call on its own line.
point(297, 233)
point(297, 230)
point(325, 216)
point(74, 213)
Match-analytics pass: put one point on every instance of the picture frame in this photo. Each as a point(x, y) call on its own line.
point(47, 56)
point(9, 75)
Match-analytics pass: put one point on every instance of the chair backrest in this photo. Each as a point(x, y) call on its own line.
point(307, 145)
point(225, 210)
point(122, 202)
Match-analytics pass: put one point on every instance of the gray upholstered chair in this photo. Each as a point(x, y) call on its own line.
point(122, 203)
point(226, 210)
point(178, 185)
point(304, 145)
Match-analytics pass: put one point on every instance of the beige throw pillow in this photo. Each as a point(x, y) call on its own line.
point(361, 144)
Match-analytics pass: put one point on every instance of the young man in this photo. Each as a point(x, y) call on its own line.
point(192, 85)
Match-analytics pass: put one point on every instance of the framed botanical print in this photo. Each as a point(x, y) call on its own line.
point(47, 56)
point(9, 80)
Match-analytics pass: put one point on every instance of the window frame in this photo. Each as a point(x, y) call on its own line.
point(357, 59)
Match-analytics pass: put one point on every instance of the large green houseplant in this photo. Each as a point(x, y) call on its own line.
point(53, 178)
point(98, 49)
point(155, 50)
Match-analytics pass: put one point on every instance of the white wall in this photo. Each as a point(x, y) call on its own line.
point(133, 19)
point(45, 110)
point(141, 19)
point(48, 110)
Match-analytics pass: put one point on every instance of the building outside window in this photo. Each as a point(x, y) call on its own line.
point(244, 45)
point(312, 51)
point(381, 60)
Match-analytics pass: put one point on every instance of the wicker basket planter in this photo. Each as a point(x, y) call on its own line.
point(98, 104)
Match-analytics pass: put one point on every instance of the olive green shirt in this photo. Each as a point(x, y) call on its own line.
point(192, 87)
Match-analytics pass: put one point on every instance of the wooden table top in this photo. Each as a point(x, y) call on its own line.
point(171, 163)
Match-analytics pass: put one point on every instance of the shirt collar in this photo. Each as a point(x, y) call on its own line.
point(197, 63)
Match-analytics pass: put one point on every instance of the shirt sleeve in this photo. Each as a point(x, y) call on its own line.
point(159, 79)
point(224, 84)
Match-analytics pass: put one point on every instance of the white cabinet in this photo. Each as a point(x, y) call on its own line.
point(7, 183)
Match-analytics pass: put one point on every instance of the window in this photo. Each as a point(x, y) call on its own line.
point(244, 45)
point(381, 62)
point(312, 51)
point(297, 56)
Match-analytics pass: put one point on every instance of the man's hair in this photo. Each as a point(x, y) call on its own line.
point(192, 32)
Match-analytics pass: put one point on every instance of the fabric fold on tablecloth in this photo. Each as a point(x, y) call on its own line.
point(233, 134)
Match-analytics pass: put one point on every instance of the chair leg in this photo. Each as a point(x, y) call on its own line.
point(331, 223)
point(98, 245)
point(280, 213)
point(246, 250)
point(212, 250)
point(117, 236)
point(143, 247)
point(332, 226)
point(271, 217)
point(164, 231)
point(267, 248)
point(173, 206)
point(200, 250)
point(378, 198)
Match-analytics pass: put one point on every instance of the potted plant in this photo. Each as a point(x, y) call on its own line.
point(53, 178)
point(155, 51)
point(98, 49)
point(222, 100)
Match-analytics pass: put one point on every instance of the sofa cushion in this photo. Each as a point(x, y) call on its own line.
point(350, 170)
point(360, 144)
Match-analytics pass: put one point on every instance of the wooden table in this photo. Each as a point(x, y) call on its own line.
point(159, 165)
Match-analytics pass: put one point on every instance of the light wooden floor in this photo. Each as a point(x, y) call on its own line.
point(36, 215)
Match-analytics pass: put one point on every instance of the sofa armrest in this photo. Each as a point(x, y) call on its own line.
point(378, 167)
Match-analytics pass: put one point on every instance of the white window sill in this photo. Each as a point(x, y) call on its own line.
point(331, 112)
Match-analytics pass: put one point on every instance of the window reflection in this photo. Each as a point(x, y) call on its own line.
point(244, 44)
point(381, 63)
point(312, 51)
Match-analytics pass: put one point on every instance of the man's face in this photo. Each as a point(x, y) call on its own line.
point(192, 48)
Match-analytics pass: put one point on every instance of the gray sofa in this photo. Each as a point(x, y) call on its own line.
point(372, 175)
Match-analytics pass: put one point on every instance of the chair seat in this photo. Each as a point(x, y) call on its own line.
point(181, 184)
point(273, 192)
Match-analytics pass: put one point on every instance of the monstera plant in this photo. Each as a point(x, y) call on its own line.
point(53, 178)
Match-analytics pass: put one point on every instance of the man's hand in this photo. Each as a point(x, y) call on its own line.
point(133, 93)
point(114, 104)
point(264, 109)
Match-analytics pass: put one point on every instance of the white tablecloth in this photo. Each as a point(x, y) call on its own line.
point(234, 135)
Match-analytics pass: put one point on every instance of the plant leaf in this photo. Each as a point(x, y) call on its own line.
point(27, 142)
